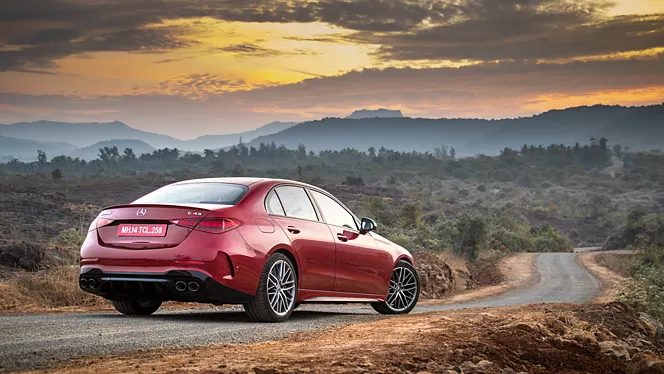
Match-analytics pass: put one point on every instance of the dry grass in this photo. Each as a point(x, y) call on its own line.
point(52, 288)
point(455, 261)
point(618, 262)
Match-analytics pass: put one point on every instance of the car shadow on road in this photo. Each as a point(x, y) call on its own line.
point(235, 316)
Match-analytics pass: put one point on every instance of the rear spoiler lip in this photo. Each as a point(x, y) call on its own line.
point(206, 207)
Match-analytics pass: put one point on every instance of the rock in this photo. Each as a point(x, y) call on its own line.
point(656, 328)
point(477, 359)
point(614, 349)
point(484, 364)
point(458, 352)
point(507, 370)
point(555, 326)
point(263, 370)
point(467, 366)
point(643, 364)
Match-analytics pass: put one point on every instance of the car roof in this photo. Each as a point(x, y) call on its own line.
point(245, 181)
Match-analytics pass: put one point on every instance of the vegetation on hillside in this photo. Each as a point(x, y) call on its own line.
point(534, 198)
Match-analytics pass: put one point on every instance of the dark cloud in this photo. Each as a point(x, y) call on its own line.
point(202, 85)
point(535, 37)
point(248, 49)
point(40, 31)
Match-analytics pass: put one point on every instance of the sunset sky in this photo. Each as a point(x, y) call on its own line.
point(189, 68)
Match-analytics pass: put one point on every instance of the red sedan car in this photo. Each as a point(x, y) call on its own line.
point(266, 244)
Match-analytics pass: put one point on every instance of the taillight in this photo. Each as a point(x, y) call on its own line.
point(99, 222)
point(218, 225)
point(211, 225)
point(189, 223)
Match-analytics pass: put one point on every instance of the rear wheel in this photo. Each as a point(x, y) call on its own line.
point(403, 293)
point(277, 290)
point(137, 307)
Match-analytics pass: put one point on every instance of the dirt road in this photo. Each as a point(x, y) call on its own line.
point(37, 340)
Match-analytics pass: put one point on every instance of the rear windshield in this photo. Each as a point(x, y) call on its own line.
point(196, 193)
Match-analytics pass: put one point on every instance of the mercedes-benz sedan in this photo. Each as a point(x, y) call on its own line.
point(267, 244)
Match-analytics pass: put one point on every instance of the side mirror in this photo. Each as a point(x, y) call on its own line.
point(367, 225)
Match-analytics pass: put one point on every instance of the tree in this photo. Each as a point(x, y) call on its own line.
point(57, 174)
point(41, 157)
point(472, 237)
point(617, 150)
point(301, 152)
point(108, 154)
point(129, 155)
point(238, 171)
point(452, 153)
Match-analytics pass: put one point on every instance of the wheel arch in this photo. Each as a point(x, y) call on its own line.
point(405, 258)
point(291, 256)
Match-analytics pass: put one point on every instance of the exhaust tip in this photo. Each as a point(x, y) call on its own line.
point(92, 283)
point(193, 286)
point(83, 283)
point(180, 286)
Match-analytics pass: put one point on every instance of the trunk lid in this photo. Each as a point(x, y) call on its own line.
point(150, 226)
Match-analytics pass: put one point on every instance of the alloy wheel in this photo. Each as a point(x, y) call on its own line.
point(281, 287)
point(403, 289)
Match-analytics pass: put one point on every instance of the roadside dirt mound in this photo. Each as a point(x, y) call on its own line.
point(439, 277)
point(553, 338)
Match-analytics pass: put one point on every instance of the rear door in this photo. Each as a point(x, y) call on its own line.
point(357, 256)
point(291, 208)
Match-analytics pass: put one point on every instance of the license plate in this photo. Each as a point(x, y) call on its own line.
point(141, 230)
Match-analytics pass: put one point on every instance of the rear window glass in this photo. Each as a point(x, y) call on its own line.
point(196, 193)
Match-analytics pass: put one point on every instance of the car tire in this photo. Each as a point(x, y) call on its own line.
point(388, 306)
point(260, 309)
point(136, 307)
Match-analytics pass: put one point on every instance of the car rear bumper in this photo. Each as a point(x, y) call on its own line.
point(164, 286)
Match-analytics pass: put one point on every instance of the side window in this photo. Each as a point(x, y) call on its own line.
point(273, 205)
point(296, 202)
point(334, 213)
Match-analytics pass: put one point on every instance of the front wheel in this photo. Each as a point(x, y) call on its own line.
point(137, 307)
point(403, 293)
point(277, 290)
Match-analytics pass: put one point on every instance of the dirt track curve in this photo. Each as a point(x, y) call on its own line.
point(38, 340)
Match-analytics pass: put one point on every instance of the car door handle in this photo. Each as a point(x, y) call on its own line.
point(342, 237)
point(293, 229)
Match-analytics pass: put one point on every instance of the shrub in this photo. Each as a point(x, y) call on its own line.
point(513, 241)
point(548, 239)
point(23, 255)
point(647, 294)
point(411, 214)
point(472, 237)
point(355, 181)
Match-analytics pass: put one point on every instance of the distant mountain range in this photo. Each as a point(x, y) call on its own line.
point(21, 140)
point(221, 141)
point(640, 128)
point(24, 149)
point(92, 152)
point(379, 113)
